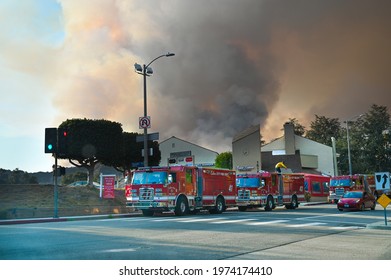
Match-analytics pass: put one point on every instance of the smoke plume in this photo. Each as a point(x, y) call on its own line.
point(236, 63)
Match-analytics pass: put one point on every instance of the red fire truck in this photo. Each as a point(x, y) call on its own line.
point(269, 190)
point(182, 189)
point(341, 184)
point(316, 187)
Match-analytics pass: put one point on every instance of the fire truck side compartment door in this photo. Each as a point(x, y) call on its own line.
point(199, 187)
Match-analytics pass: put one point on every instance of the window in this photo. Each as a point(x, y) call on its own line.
point(326, 187)
point(172, 178)
point(316, 187)
point(274, 180)
point(189, 176)
point(140, 178)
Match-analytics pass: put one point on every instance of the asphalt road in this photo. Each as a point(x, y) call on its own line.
point(307, 233)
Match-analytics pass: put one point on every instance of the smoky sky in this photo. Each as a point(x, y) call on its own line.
point(236, 63)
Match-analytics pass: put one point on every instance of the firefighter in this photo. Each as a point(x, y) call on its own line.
point(280, 165)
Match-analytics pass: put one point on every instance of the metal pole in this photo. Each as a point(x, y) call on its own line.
point(145, 115)
point(145, 74)
point(334, 156)
point(349, 159)
point(55, 188)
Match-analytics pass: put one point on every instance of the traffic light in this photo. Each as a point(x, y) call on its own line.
point(50, 140)
point(62, 141)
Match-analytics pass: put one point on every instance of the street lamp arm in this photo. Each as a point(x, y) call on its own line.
point(167, 55)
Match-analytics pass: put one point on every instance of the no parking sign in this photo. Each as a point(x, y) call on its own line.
point(144, 122)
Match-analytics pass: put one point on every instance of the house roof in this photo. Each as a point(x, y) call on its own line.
point(173, 137)
point(246, 132)
point(298, 136)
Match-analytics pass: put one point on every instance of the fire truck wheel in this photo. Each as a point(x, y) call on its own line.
point(219, 207)
point(181, 207)
point(269, 204)
point(294, 204)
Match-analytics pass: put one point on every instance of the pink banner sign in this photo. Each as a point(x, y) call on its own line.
point(108, 186)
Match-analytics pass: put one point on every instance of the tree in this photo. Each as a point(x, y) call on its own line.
point(224, 160)
point(131, 155)
point(374, 146)
point(90, 142)
point(369, 143)
point(74, 177)
point(323, 128)
point(299, 129)
point(16, 176)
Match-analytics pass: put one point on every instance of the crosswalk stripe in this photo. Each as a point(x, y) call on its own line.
point(346, 228)
point(306, 225)
point(233, 221)
point(199, 220)
point(266, 223)
point(249, 222)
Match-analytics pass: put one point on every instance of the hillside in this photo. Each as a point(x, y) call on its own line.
point(29, 201)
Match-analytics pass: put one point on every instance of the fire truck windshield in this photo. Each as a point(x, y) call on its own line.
point(140, 178)
point(340, 182)
point(248, 182)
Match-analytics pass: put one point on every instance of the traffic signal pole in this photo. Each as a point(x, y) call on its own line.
point(55, 187)
point(56, 144)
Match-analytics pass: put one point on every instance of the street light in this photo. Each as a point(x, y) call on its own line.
point(347, 137)
point(145, 70)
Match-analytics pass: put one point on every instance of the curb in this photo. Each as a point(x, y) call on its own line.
point(66, 219)
point(380, 225)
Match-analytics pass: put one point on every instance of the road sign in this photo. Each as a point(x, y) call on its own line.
point(382, 180)
point(384, 200)
point(144, 122)
point(151, 137)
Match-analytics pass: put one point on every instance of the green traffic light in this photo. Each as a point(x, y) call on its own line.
point(50, 147)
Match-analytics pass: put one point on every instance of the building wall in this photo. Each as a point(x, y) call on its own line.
point(323, 152)
point(246, 152)
point(180, 149)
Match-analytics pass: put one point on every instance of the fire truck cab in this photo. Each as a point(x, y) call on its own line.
point(182, 189)
point(344, 183)
point(269, 190)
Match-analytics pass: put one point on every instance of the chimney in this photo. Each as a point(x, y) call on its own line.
point(289, 135)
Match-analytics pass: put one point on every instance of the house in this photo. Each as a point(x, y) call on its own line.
point(178, 151)
point(298, 153)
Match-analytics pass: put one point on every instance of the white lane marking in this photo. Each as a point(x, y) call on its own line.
point(117, 250)
point(199, 220)
point(233, 221)
point(346, 228)
point(267, 223)
point(306, 225)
